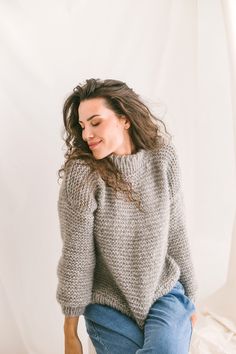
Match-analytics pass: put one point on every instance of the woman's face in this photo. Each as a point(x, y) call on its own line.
point(101, 127)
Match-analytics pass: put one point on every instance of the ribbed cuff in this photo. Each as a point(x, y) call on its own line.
point(73, 311)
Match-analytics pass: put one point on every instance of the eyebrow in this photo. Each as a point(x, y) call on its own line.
point(95, 115)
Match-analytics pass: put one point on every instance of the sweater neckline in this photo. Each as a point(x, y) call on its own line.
point(128, 163)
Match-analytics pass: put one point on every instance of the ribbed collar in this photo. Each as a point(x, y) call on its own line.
point(128, 164)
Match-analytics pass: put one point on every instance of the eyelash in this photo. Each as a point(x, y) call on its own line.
point(94, 125)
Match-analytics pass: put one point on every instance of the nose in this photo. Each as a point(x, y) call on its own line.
point(86, 134)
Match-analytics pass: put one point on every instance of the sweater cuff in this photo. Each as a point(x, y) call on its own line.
point(69, 311)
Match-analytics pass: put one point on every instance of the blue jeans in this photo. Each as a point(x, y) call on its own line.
point(167, 330)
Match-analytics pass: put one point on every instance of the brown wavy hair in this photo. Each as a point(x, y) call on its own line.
point(146, 130)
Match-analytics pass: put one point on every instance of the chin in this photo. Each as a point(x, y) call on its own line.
point(98, 156)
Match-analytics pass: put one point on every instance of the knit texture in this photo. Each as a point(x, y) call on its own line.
point(114, 254)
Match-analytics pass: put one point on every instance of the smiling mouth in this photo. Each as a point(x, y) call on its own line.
point(94, 145)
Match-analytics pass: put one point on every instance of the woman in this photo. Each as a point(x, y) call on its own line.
point(126, 263)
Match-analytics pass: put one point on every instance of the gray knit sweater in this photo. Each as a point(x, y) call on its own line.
point(113, 253)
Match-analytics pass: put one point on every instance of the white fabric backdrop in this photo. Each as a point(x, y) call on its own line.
point(178, 56)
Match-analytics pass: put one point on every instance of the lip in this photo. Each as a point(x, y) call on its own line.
point(92, 146)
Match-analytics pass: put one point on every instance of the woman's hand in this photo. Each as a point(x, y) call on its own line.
point(73, 345)
point(194, 318)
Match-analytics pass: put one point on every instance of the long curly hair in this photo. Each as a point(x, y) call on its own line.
point(146, 130)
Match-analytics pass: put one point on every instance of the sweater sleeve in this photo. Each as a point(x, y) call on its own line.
point(178, 242)
point(76, 207)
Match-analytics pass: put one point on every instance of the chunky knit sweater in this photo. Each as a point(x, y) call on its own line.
point(113, 253)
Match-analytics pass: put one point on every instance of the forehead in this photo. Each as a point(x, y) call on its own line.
point(92, 106)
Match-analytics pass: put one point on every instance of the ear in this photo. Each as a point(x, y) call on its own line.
point(126, 122)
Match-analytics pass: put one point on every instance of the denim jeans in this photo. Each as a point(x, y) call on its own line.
point(167, 330)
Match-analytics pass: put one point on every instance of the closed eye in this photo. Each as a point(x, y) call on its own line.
point(93, 125)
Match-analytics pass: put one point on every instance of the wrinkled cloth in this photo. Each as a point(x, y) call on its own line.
point(168, 327)
point(213, 334)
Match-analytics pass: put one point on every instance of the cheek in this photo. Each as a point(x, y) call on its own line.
point(110, 133)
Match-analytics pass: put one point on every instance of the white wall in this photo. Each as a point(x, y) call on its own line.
point(173, 53)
